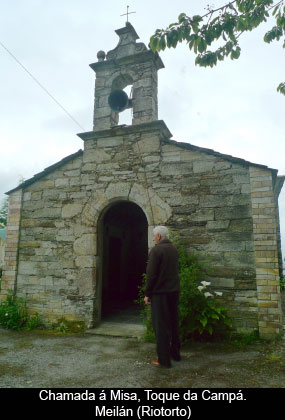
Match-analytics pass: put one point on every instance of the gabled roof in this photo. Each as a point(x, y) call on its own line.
point(182, 145)
point(46, 171)
point(230, 158)
point(278, 180)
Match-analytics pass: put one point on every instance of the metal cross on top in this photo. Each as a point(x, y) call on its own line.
point(128, 13)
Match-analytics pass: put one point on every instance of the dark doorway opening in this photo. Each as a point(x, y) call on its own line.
point(125, 250)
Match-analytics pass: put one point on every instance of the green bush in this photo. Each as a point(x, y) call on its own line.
point(201, 316)
point(13, 314)
point(32, 322)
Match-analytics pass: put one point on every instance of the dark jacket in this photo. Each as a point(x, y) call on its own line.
point(162, 269)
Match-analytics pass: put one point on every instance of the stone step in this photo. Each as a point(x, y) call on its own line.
point(118, 329)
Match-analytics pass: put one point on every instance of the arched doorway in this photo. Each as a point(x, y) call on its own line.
point(124, 256)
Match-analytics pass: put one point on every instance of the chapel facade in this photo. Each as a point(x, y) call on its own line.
point(79, 232)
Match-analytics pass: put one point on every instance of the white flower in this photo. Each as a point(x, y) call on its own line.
point(207, 294)
point(219, 293)
point(6, 314)
point(201, 288)
point(205, 283)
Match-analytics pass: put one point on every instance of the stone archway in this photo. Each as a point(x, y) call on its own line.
point(93, 214)
point(124, 254)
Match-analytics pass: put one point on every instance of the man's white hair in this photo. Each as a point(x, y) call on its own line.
point(162, 230)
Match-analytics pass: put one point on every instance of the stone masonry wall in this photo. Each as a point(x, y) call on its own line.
point(56, 250)
point(266, 252)
point(204, 198)
point(209, 200)
point(211, 203)
point(12, 241)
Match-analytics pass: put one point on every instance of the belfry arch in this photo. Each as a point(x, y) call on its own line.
point(123, 249)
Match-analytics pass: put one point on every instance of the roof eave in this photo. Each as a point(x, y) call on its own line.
point(46, 171)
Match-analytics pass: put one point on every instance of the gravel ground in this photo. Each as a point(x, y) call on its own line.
point(40, 359)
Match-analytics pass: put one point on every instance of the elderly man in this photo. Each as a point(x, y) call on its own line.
point(162, 292)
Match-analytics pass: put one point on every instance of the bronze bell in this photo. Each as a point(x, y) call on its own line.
point(119, 101)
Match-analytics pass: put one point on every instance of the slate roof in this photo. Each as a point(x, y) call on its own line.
point(46, 171)
point(183, 145)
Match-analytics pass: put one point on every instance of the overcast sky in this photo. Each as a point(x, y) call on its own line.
point(233, 108)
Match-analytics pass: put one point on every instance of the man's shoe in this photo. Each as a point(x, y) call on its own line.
point(157, 364)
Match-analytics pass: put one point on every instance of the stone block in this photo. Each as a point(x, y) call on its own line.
point(110, 141)
point(61, 182)
point(41, 185)
point(86, 282)
point(231, 213)
point(143, 103)
point(209, 179)
point(27, 196)
point(217, 200)
point(71, 210)
point(27, 267)
point(222, 283)
point(202, 215)
point(179, 169)
point(171, 156)
point(203, 166)
point(222, 165)
point(85, 261)
point(85, 245)
point(149, 144)
point(241, 225)
point(118, 189)
point(95, 155)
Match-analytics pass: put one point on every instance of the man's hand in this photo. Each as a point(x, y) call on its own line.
point(147, 300)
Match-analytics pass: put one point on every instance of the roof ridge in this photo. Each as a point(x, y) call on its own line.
point(213, 152)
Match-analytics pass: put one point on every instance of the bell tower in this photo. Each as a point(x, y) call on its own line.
point(130, 63)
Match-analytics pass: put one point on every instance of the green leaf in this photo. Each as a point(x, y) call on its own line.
point(172, 38)
point(193, 38)
point(229, 46)
point(274, 33)
point(203, 321)
point(275, 9)
point(162, 43)
point(197, 18)
point(235, 53)
point(153, 43)
point(202, 46)
point(195, 27)
point(181, 17)
point(210, 329)
point(184, 33)
point(209, 36)
point(281, 88)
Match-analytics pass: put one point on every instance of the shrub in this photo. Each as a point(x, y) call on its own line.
point(13, 314)
point(200, 314)
point(33, 321)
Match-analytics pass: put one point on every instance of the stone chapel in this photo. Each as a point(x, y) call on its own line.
point(79, 232)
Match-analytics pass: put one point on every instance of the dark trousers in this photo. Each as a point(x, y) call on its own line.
point(164, 313)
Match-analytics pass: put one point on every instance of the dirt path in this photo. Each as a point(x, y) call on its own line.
point(41, 360)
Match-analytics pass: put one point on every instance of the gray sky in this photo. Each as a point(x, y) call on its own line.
point(233, 108)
